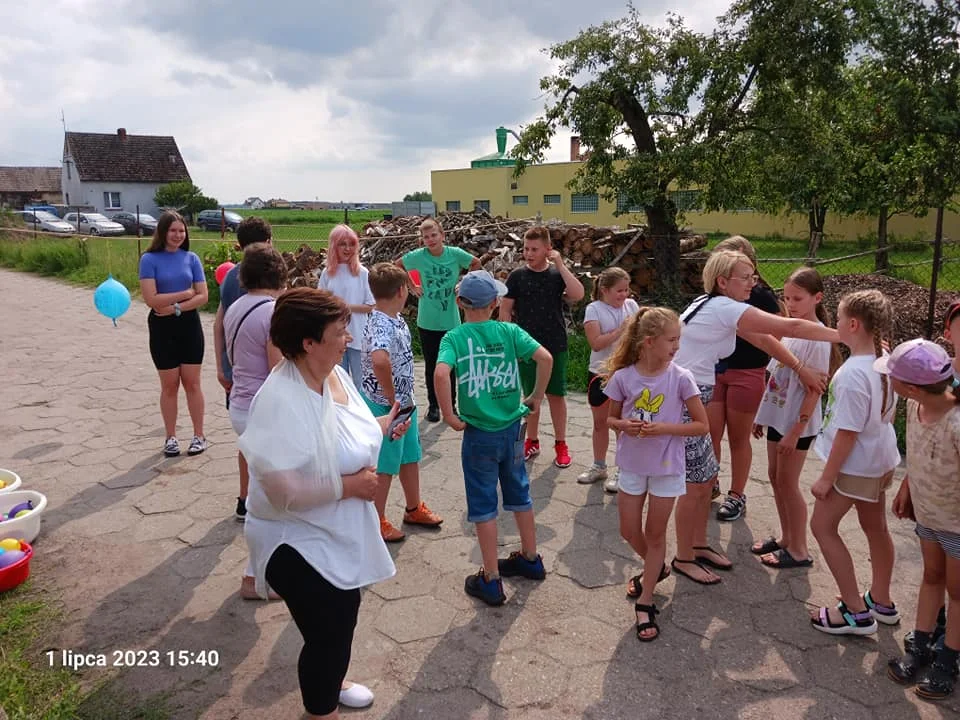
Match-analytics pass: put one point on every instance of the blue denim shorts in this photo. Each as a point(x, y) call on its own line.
point(489, 459)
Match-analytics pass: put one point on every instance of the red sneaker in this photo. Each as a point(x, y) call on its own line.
point(531, 448)
point(563, 455)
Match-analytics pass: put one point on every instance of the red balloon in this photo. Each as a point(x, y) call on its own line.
point(222, 271)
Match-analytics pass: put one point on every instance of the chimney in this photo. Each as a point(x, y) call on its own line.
point(574, 148)
point(122, 133)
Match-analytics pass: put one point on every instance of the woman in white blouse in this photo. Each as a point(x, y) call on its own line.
point(312, 530)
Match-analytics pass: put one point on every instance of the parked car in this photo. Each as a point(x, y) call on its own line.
point(94, 224)
point(148, 223)
point(210, 220)
point(46, 208)
point(48, 222)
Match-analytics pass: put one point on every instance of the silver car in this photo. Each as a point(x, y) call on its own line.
point(94, 224)
point(46, 221)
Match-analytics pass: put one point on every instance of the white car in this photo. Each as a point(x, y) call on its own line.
point(46, 221)
point(94, 224)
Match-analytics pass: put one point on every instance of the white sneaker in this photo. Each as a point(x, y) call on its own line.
point(197, 445)
point(592, 475)
point(612, 484)
point(171, 448)
point(356, 695)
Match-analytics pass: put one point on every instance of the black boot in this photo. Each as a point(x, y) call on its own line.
point(940, 680)
point(917, 655)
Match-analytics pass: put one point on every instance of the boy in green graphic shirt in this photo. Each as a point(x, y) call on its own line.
point(439, 267)
point(482, 355)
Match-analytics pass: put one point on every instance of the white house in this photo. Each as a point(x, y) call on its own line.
point(254, 203)
point(118, 172)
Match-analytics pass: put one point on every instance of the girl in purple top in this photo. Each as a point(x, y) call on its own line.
point(649, 395)
point(173, 285)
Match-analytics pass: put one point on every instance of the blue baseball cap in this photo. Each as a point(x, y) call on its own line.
point(479, 288)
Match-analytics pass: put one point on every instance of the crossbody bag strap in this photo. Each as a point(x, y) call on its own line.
point(236, 332)
point(697, 309)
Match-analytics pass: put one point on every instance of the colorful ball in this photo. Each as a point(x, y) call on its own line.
point(10, 544)
point(222, 270)
point(10, 557)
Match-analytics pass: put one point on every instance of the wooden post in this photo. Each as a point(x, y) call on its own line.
point(934, 275)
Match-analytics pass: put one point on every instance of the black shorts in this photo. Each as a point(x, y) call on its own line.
point(803, 443)
point(595, 394)
point(175, 341)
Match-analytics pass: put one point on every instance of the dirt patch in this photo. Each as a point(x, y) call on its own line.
point(911, 302)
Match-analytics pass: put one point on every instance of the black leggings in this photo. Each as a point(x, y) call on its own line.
point(326, 617)
point(430, 343)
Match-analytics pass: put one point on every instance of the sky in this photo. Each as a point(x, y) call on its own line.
point(301, 99)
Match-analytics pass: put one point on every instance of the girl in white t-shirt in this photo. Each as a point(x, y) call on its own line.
point(790, 411)
point(859, 446)
point(603, 324)
point(352, 285)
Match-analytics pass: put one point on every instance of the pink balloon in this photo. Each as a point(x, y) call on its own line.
point(222, 271)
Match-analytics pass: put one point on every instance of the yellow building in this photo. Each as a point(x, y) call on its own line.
point(489, 184)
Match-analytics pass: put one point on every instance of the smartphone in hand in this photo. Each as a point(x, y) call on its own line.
point(403, 414)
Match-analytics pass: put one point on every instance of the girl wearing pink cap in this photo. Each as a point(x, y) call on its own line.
point(922, 373)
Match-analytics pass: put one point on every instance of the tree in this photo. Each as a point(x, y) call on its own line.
point(663, 106)
point(186, 197)
point(419, 196)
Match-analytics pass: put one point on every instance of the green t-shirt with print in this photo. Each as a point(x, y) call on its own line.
point(484, 357)
point(439, 275)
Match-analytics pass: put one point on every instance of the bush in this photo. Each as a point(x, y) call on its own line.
point(56, 257)
point(212, 258)
point(578, 362)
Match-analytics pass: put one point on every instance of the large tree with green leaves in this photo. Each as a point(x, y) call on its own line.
point(185, 197)
point(665, 106)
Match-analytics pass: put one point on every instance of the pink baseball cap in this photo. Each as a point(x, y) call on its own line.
point(917, 362)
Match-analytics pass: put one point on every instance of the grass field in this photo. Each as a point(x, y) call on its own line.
point(291, 227)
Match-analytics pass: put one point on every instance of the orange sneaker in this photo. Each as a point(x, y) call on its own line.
point(422, 515)
point(389, 533)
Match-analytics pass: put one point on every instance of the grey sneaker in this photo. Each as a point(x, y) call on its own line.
point(592, 475)
point(197, 445)
point(171, 448)
point(732, 508)
point(612, 483)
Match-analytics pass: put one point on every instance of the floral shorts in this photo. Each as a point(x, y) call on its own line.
point(702, 464)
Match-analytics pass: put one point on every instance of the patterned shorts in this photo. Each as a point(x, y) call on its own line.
point(702, 464)
point(949, 541)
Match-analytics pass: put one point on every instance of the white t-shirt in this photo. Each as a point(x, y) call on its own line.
point(780, 407)
point(709, 336)
point(340, 539)
point(353, 290)
point(853, 403)
point(610, 318)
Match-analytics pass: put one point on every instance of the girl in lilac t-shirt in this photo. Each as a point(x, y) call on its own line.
point(649, 395)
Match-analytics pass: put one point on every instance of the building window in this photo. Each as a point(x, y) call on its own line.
point(521, 200)
point(111, 201)
point(686, 199)
point(481, 205)
point(584, 203)
point(625, 206)
point(68, 198)
point(551, 199)
point(453, 206)
point(67, 163)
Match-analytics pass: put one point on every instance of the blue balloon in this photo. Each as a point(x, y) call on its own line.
point(112, 299)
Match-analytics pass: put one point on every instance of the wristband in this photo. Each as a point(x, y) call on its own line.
point(798, 367)
point(176, 309)
point(804, 419)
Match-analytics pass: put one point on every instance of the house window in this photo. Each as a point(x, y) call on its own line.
point(111, 201)
point(625, 206)
point(481, 205)
point(453, 206)
point(551, 199)
point(686, 199)
point(67, 163)
point(584, 203)
point(68, 198)
point(521, 200)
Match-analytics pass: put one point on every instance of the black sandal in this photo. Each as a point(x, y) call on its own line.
point(785, 560)
point(652, 612)
point(674, 562)
point(769, 545)
point(711, 563)
point(637, 581)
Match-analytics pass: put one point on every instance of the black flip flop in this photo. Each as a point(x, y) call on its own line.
point(673, 564)
point(708, 562)
point(637, 581)
point(785, 561)
point(768, 546)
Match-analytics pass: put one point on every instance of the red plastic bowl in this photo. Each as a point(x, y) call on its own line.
point(13, 575)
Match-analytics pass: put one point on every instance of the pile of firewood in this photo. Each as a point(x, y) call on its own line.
point(304, 266)
point(498, 242)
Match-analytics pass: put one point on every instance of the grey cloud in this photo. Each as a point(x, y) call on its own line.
point(188, 78)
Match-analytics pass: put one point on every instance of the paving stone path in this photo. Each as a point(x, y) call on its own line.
point(147, 555)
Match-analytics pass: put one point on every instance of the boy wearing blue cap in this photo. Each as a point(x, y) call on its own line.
point(483, 355)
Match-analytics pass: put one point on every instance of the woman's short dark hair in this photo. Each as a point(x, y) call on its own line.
point(262, 268)
point(168, 218)
point(304, 313)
